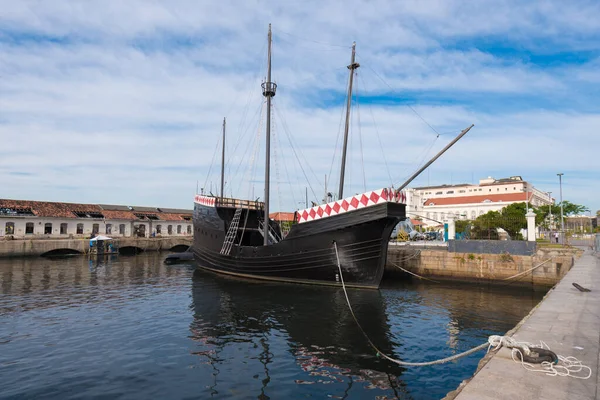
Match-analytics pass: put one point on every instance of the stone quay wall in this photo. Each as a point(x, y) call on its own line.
point(38, 247)
point(483, 268)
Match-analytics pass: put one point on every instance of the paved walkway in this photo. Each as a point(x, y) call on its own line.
point(569, 322)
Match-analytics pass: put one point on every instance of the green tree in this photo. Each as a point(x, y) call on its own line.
point(573, 209)
point(511, 219)
point(569, 209)
point(485, 226)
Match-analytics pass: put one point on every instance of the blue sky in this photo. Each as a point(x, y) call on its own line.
point(122, 102)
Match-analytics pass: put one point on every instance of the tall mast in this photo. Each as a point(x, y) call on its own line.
point(268, 91)
point(353, 65)
point(223, 162)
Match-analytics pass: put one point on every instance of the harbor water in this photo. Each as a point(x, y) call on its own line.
point(132, 327)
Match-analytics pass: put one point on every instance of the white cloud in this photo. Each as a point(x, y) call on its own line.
point(121, 102)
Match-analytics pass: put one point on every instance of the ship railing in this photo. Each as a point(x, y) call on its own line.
point(237, 203)
point(273, 234)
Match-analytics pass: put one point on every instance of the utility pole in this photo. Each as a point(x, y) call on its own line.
point(526, 198)
point(353, 65)
point(550, 214)
point(562, 222)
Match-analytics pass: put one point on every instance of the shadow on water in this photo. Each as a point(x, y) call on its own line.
point(319, 328)
point(407, 320)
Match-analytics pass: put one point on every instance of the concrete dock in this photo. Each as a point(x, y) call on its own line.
point(568, 321)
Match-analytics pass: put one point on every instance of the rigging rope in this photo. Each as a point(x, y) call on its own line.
point(362, 160)
point(337, 139)
point(571, 365)
point(408, 105)
point(275, 161)
point(212, 161)
point(294, 151)
point(259, 112)
point(387, 167)
point(251, 170)
point(416, 113)
point(287, 174)
point(242, 122)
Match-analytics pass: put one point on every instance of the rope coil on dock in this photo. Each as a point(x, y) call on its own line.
point(522, 352)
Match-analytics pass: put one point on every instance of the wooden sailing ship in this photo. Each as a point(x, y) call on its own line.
point(236, 237)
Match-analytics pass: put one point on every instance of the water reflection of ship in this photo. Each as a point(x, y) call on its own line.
point(322, 335)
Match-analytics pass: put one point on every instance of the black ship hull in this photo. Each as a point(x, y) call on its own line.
point(307, 254)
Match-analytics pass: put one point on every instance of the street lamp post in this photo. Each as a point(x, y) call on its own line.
point(591, 229)
point(526, 199)
point(562, 222)
point(550, 215)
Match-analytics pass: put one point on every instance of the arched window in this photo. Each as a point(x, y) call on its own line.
point(189, 229)
point(9, 229)
point(122, 229)
point(63, 228)
point(179, 229)
point(48, 228)
point(158, 229)
point(170, 229)
point(473, 214)
point(29, 228)
point(95, 229)
point(79, 229)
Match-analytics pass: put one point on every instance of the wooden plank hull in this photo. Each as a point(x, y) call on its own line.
point(307, 254)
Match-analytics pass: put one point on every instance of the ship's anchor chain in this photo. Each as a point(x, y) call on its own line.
point(525, 353)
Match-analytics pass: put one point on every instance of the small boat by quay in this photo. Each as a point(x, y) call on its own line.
point(232, 237)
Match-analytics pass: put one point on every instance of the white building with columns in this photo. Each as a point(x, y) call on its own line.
point(435, 204)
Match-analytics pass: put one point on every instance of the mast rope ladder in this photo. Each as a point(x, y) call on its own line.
point(231, 232)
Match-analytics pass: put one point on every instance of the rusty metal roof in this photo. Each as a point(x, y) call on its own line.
point(69, 210)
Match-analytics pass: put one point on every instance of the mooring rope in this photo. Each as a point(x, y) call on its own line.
point(412, 273)
point(529, 270)
point(382, 354)
point(571, 364)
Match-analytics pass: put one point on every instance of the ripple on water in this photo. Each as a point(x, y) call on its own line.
point(133, 327)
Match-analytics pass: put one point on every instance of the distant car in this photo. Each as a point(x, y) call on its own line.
point(415, 235)
point(431, 235)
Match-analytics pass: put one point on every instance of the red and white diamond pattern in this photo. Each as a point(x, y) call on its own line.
point(205, 200)
point(351, 203)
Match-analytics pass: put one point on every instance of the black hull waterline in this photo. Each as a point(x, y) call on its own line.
point(307, 254)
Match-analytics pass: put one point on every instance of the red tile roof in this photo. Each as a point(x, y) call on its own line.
point(67, 210)
point(493, 198)
point(50, 209)
point(282, 216)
